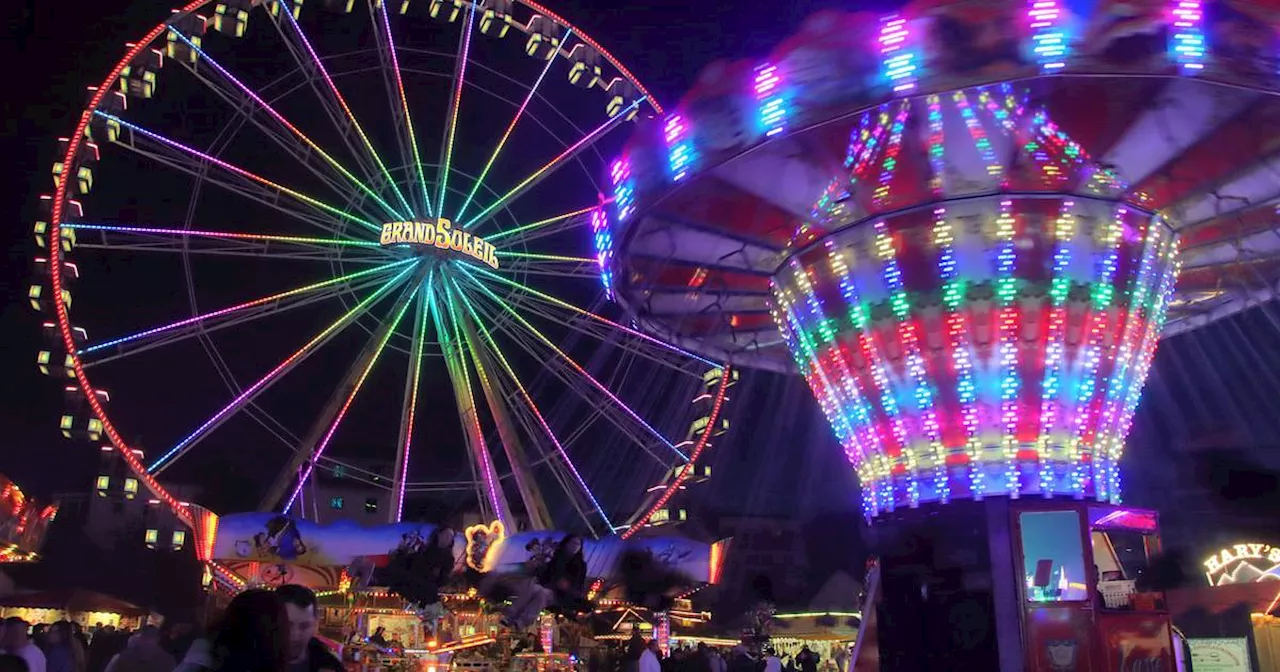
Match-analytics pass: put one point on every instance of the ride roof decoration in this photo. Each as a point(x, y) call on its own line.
point(313, 159)
point(959, 222)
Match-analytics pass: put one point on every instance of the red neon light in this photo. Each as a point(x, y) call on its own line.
point(703, 441)
point(55, 272)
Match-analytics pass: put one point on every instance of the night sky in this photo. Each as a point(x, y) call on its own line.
point(779, 459)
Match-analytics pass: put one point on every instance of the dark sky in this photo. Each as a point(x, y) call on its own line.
point(780, 459)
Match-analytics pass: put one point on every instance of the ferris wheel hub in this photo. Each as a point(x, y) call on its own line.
point(437, 235)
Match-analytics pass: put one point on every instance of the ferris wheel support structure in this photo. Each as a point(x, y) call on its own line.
point(326, 423)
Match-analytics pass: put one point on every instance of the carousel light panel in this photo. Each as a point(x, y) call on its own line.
point(1187, 34)
point(898, 60)
point(962, 362)
point(772, 106)
point(1048, 38)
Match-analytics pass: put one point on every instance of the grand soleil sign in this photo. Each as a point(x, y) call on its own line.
point(440, 234)
point(1243, 563)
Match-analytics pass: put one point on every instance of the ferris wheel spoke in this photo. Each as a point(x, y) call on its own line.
point(335, 286)
point(542, 228)
point(122, 238)
point(548, 460)
point(506, 135)
point(408, 411)
point(274, 375)
point(583, 378)
point(530, 407)
point(489, 495)
point(551, 301)
point(550, 265)
point(241, 96)
point(332, 100)
point(330, 419)
point(174, 146)
point(402, 118)
point(551, 166)
point(245, 188)
point(455, 102)
point(608, 336)
point(103, 353)
point(499, 409)
point(623, 419)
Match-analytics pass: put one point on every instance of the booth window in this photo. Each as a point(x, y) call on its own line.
point(1053, 556)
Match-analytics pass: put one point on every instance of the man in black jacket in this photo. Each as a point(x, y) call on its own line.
point(306, 653)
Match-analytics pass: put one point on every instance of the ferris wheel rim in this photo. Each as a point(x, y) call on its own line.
point(59, 204)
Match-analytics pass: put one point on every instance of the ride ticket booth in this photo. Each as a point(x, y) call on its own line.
point(1034, 584)
point(1081, 609)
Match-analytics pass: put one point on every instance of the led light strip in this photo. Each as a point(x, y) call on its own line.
point(280, 368)
point(337, 212)
point(248, 304)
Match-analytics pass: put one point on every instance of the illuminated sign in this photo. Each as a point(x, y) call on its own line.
point(1220, 654)
point(481, 539)
point(1243, 563)
point(440, 234)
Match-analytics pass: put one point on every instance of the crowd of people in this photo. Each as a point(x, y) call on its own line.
point(260, 631)
point(65, 646)
point(641, 655)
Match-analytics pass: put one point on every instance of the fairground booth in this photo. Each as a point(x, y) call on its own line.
point(1230, 622)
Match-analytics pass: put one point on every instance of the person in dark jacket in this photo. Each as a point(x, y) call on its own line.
point(566, 576)
point(562, 581)
point(251, 637)
point(63, 651)
point(807, 660)
point(306, 653)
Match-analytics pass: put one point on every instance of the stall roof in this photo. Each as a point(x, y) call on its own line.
point(1260, 597)
point(74, 600)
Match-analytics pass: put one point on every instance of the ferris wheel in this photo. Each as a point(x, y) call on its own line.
point(324, 205)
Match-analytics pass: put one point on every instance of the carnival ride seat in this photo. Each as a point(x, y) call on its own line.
point(621, 95)
point(586, 71)
point(496, 20)
point(339, 6)
point(78, 421)
point(295, 10)
point(86, 156)
point(446, 9)
point(544, 38)
point(416, 575)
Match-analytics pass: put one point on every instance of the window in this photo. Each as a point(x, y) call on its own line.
point(1053, 556)
point(336, 503)
point(130, 487)
point(179, 538)
point(371, 505)
point(151, 537)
